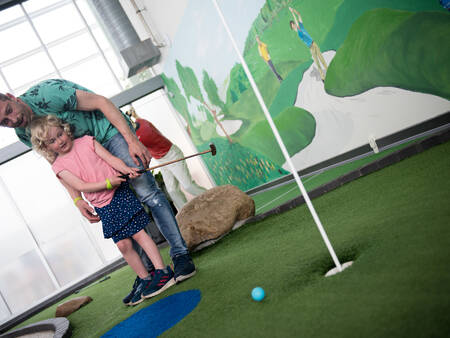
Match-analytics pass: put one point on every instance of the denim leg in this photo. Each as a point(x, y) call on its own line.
point(149, 194)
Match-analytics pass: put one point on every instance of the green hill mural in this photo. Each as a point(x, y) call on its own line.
point(362, 63)
point(369, 44)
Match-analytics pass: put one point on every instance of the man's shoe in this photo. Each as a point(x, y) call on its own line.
point(184, 267)
point(128, 298)
point(162, 280)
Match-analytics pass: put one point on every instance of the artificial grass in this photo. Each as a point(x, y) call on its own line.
point(270, 199)
point(393, 223)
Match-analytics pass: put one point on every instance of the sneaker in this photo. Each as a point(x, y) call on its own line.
point(184, 267)
point(128, 297)
point(162, 280)
point(138, 297)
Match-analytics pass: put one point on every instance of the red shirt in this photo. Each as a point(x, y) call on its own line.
point(157, 144)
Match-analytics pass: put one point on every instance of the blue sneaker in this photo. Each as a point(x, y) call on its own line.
point(184, 267)
point(162, 280)
point(137, 297)
point(130, 296)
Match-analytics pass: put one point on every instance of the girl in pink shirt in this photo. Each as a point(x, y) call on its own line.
point(86, 166)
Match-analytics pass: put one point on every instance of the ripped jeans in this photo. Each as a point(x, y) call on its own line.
point(149, 194)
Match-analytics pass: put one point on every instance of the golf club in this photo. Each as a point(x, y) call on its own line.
point(212, 150)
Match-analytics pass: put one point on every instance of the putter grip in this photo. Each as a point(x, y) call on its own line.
point(126, 175)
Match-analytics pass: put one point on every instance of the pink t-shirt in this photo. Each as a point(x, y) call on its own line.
point(83, 162)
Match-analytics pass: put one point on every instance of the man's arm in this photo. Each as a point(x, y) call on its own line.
point(293, 12)
point(114, 161)
point(299, 17)
point(89, 101)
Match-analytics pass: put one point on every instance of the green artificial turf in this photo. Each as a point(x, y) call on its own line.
point(269, 199)
point(393, 223)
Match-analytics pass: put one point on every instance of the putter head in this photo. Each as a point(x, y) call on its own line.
point(213, 149)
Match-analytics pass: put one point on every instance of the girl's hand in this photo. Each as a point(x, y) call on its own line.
point(116, 180)
point(131, 172)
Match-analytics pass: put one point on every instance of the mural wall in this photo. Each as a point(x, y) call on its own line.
point(333, 74)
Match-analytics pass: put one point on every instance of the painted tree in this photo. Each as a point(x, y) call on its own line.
point(179, 103)
point(238, 84)
point(213, 96)
point(192, 89)
point(189, 82)
point(263, 20)
point(213, 93)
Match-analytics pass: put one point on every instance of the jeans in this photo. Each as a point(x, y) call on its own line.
point(149, 194)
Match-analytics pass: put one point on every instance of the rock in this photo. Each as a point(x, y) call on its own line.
point(66, 308)
point(213, 214)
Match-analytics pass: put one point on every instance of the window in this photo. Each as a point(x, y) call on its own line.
point(55, 39)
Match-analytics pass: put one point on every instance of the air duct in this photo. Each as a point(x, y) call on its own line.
point(137, 54)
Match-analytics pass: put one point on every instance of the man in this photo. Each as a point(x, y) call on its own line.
point(95, 115)
point(163, 150)
point(264, 53)
point(297, 25)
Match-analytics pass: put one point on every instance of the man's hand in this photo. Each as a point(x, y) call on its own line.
point(139, 151)
point(87, 211)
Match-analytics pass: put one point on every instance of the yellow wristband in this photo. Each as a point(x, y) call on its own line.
point(76, 199)
point(108, 184)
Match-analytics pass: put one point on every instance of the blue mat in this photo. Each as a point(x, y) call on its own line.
point(158, 317)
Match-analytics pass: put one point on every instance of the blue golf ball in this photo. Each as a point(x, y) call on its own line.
point(258, 294)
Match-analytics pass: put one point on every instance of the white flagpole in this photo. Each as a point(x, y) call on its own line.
point(280, 142)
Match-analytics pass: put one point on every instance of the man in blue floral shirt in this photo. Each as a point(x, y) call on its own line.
point(96, 115)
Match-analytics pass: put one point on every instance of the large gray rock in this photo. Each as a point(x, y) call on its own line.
point(66, 308)
point(213, 214)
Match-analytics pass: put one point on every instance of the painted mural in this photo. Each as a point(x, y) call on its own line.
point(333, 73)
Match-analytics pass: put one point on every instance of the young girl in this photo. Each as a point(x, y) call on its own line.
point(86, 166)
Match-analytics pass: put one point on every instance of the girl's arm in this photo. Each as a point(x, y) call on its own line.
point(80, 185)
point(85, 209)
point(114, 161)
point(73, 181)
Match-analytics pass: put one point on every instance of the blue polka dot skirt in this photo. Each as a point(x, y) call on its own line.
point(124, 216)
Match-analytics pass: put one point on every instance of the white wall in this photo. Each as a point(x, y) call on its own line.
point(163, 17)
point(46, 245)
point(157, 109)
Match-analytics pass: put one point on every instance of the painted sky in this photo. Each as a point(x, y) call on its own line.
point(202, 42)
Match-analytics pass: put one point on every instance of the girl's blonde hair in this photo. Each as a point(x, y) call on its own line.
point(39, 128)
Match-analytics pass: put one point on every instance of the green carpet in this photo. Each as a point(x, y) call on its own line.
point(269, 199)
point(393, 223)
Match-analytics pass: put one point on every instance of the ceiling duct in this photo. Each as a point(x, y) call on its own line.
point(138, 55)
